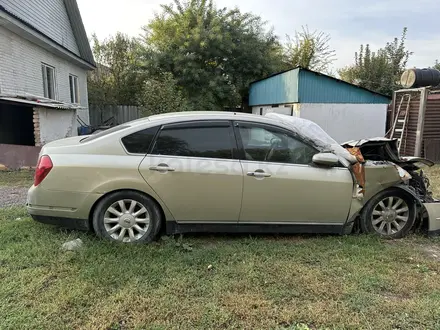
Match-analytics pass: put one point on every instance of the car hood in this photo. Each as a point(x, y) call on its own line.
point(384, 149)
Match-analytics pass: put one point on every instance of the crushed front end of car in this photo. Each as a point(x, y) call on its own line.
point(375, 159)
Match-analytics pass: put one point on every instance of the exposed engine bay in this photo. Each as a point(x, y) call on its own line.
point(381, 150)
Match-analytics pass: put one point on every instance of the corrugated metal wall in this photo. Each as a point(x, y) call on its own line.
point(431, 130)
point(305, 86)
point(431, 133)
point(279, 89)
point(319, 88)
point(409, 139)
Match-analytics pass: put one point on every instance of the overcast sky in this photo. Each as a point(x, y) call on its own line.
point(349, 22)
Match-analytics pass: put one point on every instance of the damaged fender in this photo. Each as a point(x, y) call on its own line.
point(433, 210)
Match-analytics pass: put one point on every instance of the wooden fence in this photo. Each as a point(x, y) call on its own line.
point(116, 114)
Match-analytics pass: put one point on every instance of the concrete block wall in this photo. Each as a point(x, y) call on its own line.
point(20, 70)
point(36, 120)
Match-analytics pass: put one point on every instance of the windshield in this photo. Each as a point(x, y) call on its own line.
point(312, 132)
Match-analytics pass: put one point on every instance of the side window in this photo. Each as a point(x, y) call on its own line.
point(206, 142)
point(270, 145)
point(48, 81)
point(140, 142)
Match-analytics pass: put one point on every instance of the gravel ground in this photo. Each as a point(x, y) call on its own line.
point(13, 196)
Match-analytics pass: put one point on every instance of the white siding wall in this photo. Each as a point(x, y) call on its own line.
point(48, 16)
point(20, 70)
point(342, 121)
point(346, 122)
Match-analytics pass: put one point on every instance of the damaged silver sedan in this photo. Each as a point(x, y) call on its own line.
point(229, 172)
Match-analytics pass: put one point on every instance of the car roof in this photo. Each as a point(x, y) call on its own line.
point(195, 115)
point(175, 117)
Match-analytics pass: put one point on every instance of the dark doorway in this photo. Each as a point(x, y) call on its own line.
point(16, 124)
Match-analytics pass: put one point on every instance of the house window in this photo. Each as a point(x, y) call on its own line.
point(74, 93)
point(48, 81)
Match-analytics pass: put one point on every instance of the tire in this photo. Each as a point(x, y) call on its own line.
point(402, 207)
point(115, 220)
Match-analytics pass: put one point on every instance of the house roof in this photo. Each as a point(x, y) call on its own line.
point(39, 103)
point(320, 74)
point(78, 30)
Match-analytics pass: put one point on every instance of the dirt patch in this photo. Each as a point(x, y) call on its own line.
point(390, 296)
point(432, 252)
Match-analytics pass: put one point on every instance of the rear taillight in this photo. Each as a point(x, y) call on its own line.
point(44, 166)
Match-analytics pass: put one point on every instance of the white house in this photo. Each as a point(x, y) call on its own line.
point(44, 59)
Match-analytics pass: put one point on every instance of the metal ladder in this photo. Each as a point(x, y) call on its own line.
point(401, 120)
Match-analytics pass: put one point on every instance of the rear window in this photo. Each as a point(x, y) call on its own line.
point(104, 133)
point(140, 142)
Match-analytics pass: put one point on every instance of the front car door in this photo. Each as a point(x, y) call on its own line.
point(281, 185)
point(194, 170)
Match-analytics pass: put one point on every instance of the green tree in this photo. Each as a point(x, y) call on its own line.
point(212, 53)
point(161, 94)
point(118, 78)
point(310, 50)
point(437, 65)
point(379, 71)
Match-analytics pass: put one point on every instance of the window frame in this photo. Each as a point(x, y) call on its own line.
point(242, 123)
point(46, 87)
point(200, 124)
point(74, 98)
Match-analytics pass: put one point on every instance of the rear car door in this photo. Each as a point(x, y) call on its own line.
point(194, 170)
point(281, 185)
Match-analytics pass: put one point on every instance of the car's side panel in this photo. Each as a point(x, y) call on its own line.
point(379, 177)
point(76, 182)
point(292, 191)
point(197, 189)
point(296, 194)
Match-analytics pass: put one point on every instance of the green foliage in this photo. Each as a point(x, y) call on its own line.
point(161, 94)
point(437, 65)
point(310, 50)
point(118, 78)
point(212, 53)
point(379, 71)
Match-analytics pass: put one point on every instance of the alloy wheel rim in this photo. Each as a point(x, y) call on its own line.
point(390, 215)
point(126, 220)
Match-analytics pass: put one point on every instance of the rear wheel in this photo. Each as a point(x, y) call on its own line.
point(127, 217)
point(389, 214)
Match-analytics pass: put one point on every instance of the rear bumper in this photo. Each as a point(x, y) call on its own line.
point(78, 224)
point(433, 210)
point(66, 208)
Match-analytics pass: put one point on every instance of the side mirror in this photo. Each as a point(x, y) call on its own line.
point(325, 159)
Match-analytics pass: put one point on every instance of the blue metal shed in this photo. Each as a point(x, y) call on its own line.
point(345, 111)
point(300, 85)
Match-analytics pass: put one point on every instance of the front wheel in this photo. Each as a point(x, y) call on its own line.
point(389, 214)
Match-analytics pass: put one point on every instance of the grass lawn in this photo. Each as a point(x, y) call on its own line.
point(255, 282)
point(24, 178)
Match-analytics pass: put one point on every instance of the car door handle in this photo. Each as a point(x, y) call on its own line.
point(259, 174)
point(162, 168)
